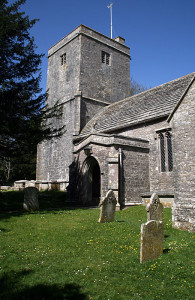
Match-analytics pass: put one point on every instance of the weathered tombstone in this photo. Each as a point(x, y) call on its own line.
point(31, 199)
point(151, 240)
point(154, 209)
point(107, 208)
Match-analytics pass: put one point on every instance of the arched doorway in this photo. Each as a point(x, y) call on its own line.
point(91, 183)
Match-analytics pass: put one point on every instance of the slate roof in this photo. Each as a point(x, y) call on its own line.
point(149, 105)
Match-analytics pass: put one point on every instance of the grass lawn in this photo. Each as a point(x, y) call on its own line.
point(67, 254)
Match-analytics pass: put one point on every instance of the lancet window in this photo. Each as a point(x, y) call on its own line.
point(166, 154)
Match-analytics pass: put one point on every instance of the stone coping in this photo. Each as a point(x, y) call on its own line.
point(91, 33)
point(109, 140)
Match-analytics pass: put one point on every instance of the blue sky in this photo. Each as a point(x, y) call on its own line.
point(160, 33)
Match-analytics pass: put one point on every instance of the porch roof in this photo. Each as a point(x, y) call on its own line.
point(109, 140)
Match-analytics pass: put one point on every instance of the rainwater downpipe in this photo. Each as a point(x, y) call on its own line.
point(120, 175)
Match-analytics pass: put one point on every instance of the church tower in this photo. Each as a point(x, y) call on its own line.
point(86, 72)
point(91, 63)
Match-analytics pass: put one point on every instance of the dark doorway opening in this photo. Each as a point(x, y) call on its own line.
point(96, 183)
point(91, 187)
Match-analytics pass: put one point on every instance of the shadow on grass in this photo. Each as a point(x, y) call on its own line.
point(3, 229)
point(54, 211)
point(12, 289)
point(11, 203)
point(165, 251)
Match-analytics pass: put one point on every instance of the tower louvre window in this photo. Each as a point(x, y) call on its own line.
point(63, 59)
point(105, 58)
point(166, 155)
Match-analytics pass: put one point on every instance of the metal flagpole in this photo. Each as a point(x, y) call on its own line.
point(110, 6)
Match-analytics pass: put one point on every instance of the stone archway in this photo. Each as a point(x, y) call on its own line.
point(91, 182)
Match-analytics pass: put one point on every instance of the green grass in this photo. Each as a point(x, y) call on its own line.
point(67, 254)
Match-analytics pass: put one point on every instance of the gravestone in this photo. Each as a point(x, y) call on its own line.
point(107, 208)
point(151, 240)
point(31, 199)
point(154, 209)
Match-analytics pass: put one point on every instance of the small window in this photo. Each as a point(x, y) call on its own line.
point(166, 155)
point(169, 151)
point(162, 152)
point(63, 59)
point(105, 58)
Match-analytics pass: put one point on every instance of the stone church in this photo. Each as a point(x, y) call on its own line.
point(133, 145)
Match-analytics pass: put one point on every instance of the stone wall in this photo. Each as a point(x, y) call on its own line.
point(55, 156)
point(101, 81)
point(136, 174)
point(89, 108)
point(63, 80)
point(183, 123)
point(159, 181)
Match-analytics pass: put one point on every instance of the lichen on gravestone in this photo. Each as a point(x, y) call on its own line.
point(154, 209)
point(107, 208)
point(152, 236)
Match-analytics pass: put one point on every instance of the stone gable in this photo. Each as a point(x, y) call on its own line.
point(183, 122)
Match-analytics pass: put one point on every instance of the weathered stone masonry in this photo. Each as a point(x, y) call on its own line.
point(108, 150)
point(132, 145)
point(183, 123)
point(83, 85)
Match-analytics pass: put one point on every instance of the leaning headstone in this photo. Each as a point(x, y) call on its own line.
point(31, 199)
point(107, 208)
point(154, 209)
point(151, 240)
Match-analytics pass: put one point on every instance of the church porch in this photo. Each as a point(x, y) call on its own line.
point(103, 162)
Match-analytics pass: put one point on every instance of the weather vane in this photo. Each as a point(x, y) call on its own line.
point(110, 6)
